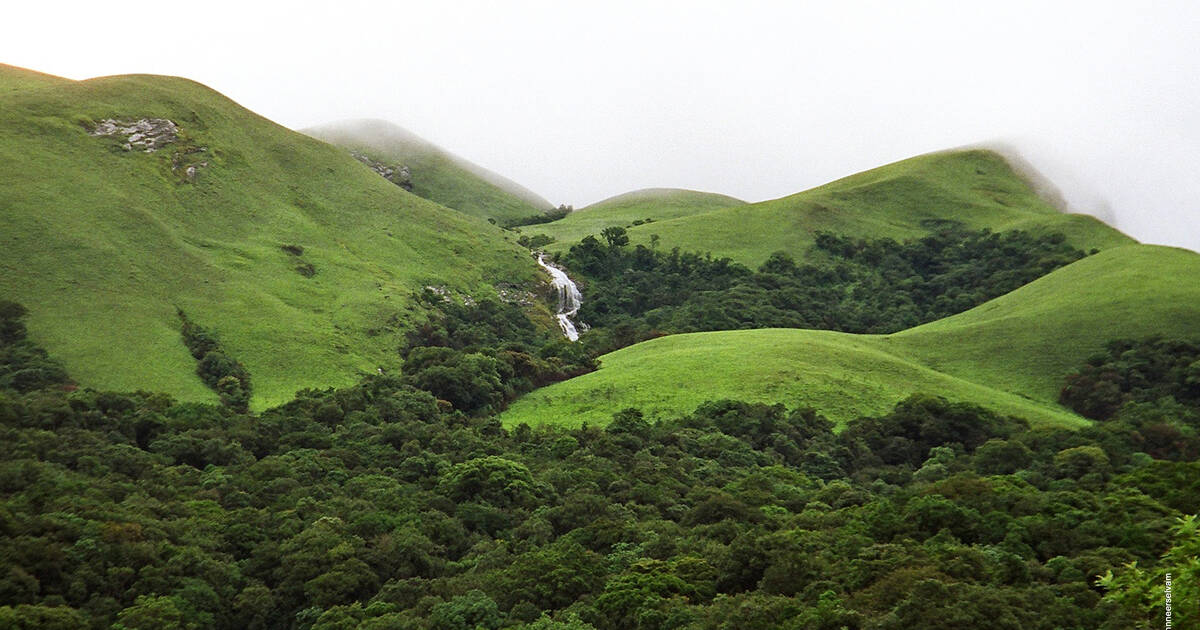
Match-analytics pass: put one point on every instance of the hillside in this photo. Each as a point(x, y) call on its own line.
point(14, 79)
point(1009, 354)
point(901, 200)
point(1024, 341)
point(656, 204)
point(436, 174)
point(102, 244)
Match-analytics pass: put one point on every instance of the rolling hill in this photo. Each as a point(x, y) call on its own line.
point(14, 79)
point(102, 243)
point(1008, 354)
point(436, 174)
point(906, 199)
point(657, 204)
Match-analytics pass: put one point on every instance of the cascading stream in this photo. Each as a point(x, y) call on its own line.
point(569, 298)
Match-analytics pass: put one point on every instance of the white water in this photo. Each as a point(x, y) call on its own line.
point(569, 298)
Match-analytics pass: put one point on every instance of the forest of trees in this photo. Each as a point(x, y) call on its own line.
point(387, 506)
point(849, 285)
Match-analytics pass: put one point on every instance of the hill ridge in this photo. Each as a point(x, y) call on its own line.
point(1010, 353)
point(904, 199)
point(437, 174)
point(301, 261)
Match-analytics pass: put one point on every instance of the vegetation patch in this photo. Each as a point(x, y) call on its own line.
point(905, 200)
point(25, 366)
point(853, 285)
point(376, 506)
point(222, 373)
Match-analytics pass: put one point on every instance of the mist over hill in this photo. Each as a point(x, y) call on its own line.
point(435, 173)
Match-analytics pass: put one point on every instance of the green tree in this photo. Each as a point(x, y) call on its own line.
point(1141, 593)
point(615, 236)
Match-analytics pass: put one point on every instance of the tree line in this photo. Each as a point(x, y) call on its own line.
point(383, 506)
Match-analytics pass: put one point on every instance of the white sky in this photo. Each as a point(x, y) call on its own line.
point(579, 101)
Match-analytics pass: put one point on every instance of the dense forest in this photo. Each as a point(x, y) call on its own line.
point(393, 504)
point(849, 285)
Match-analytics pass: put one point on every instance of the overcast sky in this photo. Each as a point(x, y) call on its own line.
point(579, 101)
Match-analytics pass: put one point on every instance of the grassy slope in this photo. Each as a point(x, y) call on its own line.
point(436, 174)
point(14, 79)
point(102, 244)
point(659, 204)
point(976, 187)
point(1027, 340)
point(841, 375)
point(1009, 354)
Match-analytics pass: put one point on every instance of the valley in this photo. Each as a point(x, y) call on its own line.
point(342, 378)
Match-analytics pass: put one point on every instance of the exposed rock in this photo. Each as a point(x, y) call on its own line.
point(185, 161)
point(148, 134)
point(399, 175)
point(515, 295)
point(441, 291)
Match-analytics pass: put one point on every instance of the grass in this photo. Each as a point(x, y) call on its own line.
point(436, 174)
point(659, 204)
point(1009, 354)
point(14, 79)
point(102, 244)
point(902, 200)
point(1025, 341)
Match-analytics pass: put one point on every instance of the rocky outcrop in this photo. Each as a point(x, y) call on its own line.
point(147, 134)
point(188, 162)
point(152, 134)
point(399, 175)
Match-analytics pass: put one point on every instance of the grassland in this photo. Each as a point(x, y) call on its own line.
point(1024, 341)
point(437, 175)
point(902, 200)
point(103, 244)
point(14, 79)
point(1008, 354)
point(658, 204)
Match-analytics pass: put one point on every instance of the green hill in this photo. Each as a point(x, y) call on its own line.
point(436, 174)
point(906, 199)
point(1026, 340)
point(1008, 354)
point(14, 79)
point(103, 243)
point(657, 204)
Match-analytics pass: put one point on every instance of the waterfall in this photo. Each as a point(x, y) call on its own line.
point(569, 298)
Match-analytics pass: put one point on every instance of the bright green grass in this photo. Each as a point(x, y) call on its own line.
point(658, 204)
point(1009, 354)
point(1025, 341)
point(102, 244)
point(436, 174)
point(841, 375)
point(14, 79)
point(901, 200)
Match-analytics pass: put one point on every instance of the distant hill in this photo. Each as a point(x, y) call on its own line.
point(976, 188)
point(301, 260)
point(436, 174)
point(655, 204)
point(1009, 354)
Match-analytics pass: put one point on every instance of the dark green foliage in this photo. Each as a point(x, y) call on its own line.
point(480, 356)
point(918, 424)
point(1141, 371)
point(224, 374)
point(537, 241)
point(24, 366)
point(379, 506)
point(537, 219)
point(1150, 388)
point(863, 286)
